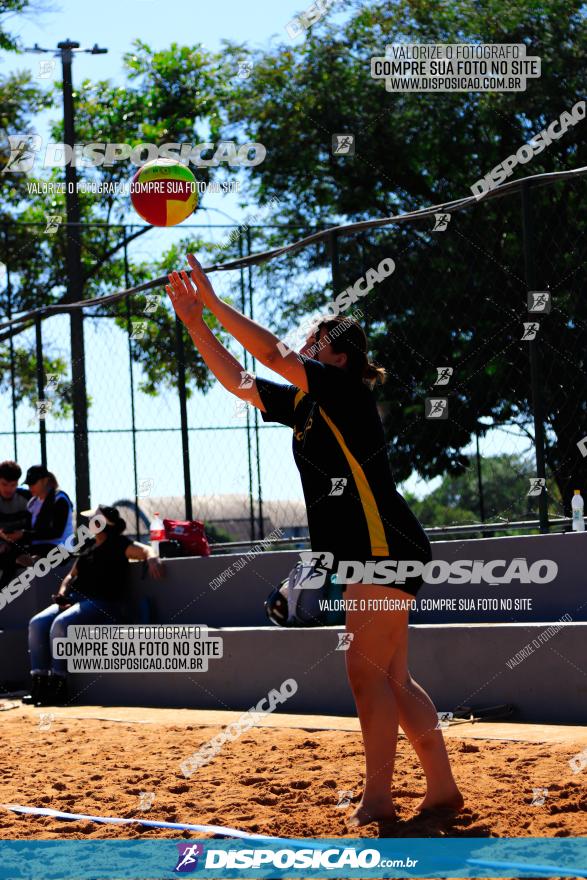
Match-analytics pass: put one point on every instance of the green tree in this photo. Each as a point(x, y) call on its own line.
point(457, 298)
point(8, 9)
point(506, 481)
point(20, 100)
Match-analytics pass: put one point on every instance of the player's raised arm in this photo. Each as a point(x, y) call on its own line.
point(258, 340)
point(188, 306)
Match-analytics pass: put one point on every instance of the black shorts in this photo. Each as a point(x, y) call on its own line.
point(411, 584)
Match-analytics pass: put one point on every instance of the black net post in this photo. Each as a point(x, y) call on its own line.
point(334, 263)
point(530, 271)
point(74, 294)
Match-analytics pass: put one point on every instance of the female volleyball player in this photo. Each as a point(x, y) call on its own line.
point(337, 433)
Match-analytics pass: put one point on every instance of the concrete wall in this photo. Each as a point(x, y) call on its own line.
point(567, 593)
point(456, 664)
point(14, 618)
point(186, 596)
point(459, 658)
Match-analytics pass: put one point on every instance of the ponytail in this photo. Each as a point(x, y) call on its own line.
point(373, 375)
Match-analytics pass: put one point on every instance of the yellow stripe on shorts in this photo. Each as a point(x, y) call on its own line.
point(377, 537)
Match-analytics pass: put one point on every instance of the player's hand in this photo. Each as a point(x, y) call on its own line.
point(202, 282)
point(184, 298)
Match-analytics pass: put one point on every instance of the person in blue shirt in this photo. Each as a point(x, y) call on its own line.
point(338, 442)
point(50, 509)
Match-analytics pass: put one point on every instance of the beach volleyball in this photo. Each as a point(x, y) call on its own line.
point(164, 192)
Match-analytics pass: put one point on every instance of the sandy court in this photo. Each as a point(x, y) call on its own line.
point(279, 780)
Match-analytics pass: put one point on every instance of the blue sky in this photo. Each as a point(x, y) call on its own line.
point(114, 25)
point(219, 461)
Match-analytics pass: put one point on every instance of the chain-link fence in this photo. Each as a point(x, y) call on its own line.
point(480, 325)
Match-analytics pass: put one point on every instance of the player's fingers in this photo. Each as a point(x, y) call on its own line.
point(186, 280)
point(197, 273)
point(173, 285)
point(179, 283)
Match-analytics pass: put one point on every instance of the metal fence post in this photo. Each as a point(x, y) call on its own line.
point(479, 479)
point(183, 413)
point(11, 349)
point(132, 386)
point(537, 408)
point(41, 389)
point(248, 414)
point(256, 411)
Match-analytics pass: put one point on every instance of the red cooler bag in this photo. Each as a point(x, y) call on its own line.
point(190, 535)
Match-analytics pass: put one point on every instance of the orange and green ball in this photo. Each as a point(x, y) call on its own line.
point(164, 192)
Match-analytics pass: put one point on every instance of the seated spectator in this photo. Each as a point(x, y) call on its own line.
point(94, 591)
point(14, 520)
point(50, 509)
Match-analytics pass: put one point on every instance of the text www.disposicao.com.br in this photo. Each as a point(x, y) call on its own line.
point(133, 664)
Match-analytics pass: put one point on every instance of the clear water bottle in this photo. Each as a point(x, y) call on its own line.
point(578, 515)
point(156, 532)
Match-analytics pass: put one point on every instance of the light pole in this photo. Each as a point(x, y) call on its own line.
point(65, 50)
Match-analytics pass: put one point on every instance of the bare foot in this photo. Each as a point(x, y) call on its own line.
point(453, 801)
point(372, 811)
